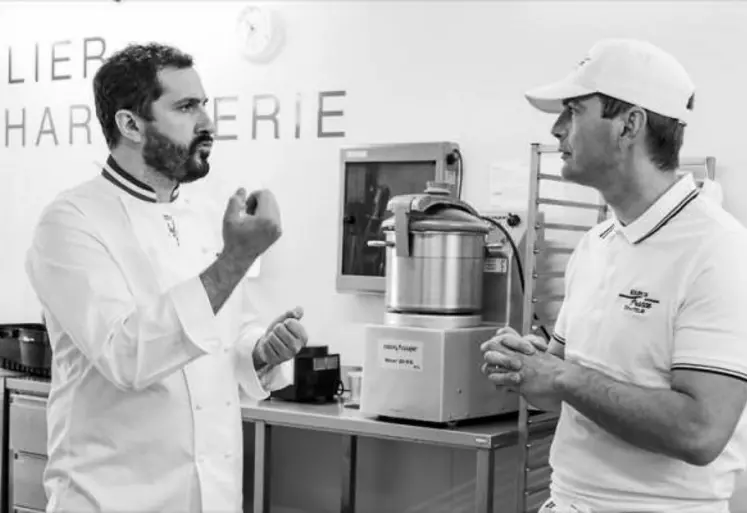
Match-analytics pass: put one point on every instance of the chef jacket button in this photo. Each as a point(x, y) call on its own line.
point(228, 403)
point(198, 407)
point(228, 456)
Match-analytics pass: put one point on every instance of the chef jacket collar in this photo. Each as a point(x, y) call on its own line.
point(115, 174)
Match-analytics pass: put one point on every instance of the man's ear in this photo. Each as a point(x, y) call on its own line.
point(131, 126)
point(632, 125)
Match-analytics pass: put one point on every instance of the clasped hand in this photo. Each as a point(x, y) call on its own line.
point(284, 338)
point(522, 362)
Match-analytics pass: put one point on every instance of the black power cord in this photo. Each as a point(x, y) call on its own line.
point(461, 172)
point(519, 267)
point(455, 157)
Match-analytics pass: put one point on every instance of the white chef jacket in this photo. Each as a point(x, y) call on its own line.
point(144, 410)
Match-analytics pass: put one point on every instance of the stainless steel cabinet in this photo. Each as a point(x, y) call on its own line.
point(27, 452)
point(27, 484)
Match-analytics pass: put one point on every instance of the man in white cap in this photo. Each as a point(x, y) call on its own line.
point(648, 361)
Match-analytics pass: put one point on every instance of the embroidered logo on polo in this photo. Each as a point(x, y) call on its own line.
point(638, 301)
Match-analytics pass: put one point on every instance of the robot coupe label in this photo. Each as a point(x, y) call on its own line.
point(401, 355)
point(496, 265)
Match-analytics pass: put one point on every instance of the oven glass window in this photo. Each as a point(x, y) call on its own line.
point(368, 187)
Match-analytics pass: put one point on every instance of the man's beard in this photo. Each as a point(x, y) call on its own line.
point(181, 163)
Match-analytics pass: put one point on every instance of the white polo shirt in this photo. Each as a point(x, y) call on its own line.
point(668, 291)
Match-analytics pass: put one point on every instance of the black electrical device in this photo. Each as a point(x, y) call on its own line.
point(316, 377)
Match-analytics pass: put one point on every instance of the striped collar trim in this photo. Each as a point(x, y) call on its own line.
point(666, 208)
point(113, 172)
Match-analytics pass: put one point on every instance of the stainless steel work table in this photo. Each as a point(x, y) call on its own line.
point(483, 438)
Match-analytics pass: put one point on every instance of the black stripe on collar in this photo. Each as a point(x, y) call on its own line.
point(676, 210)
point(607, 231)
point(118, 176)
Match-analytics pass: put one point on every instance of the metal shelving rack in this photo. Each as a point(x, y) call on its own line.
point(536, 429)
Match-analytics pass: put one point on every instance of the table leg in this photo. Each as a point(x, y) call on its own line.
point(484, 481)
point(349, 468)
point(262, 458)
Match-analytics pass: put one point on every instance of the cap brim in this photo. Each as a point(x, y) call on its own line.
point(550, 98)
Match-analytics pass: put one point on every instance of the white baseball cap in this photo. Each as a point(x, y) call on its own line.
point(634, 71)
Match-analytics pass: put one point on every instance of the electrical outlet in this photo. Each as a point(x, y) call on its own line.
point(514, 221)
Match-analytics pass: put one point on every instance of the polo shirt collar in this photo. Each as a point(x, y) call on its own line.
point(113, 172)
point(671, 203)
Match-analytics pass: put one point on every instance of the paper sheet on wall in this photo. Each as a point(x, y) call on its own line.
point(509, 185)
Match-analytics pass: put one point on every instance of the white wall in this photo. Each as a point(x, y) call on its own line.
point(411, 71)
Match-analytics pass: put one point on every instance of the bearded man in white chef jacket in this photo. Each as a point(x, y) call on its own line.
point(144, 292)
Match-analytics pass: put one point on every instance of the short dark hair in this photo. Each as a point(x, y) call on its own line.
point(129, 80)
point(664, 135)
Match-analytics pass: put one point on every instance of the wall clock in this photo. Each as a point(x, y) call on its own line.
point(260, 33)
